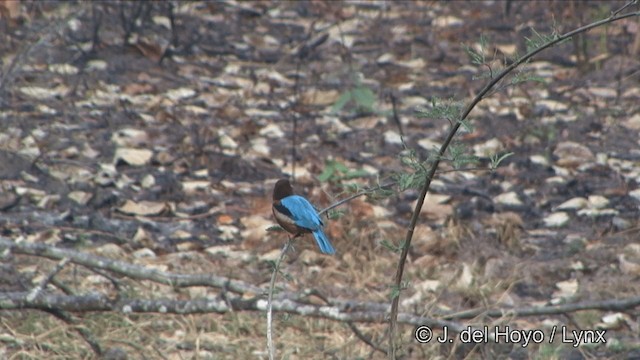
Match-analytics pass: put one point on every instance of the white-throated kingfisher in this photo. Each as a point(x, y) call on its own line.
point(296, 215)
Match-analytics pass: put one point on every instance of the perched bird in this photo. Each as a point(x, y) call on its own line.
point(296, 215)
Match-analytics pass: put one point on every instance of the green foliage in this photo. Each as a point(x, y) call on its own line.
point(380, 194)
point(496, 160)
point(272, 264)
point(618, 346)
point(538, 40)
point(409, 158)
point(352, 187)
point(524, 76)
point(477, 57)
point(287, 276)
point(442, 109)
point(414, 179)
point(392, 247)
point(549, 351)
point(407, 181)
point(575, 246)
point(334, 171)
point(546, 133)
point(459, 156)
point(466, 125)
point(373, 193)
point(395, 291)
point(335, 214)
point(361, 98)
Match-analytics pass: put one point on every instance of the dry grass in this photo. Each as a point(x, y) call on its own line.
point(363, 270)
point(452, 268)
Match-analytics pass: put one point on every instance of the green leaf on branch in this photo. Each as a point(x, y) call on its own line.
point(442, 109)
point(392, 247)
point(335, 214)
point(497, 159)
point(459, 156)
point(477, 57)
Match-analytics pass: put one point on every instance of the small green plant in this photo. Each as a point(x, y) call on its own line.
point(335, 171)
point(390, 246)
point(362, 100)
point(497, 159)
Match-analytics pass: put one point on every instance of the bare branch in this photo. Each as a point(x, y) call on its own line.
point(434, 166)
point(272, 286)
point(356, 195)
point(130, 270)
point(37, 289)
point(365, 313)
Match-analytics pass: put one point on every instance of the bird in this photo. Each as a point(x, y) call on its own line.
point(297, 216)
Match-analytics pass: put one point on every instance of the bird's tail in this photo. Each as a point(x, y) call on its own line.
point(323, 242)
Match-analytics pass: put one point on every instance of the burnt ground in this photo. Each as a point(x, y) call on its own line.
point(154, 132)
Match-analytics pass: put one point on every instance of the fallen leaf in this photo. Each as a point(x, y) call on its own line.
point(320, 97)
point(557, 219)
point(42, 93)
point(446, 21)
point(573, 204)
point(143, 208)
point(133, 157)
point(80, 197)
point(180, 93)
point(509, 198)
point(566, 289)
point(572, 154)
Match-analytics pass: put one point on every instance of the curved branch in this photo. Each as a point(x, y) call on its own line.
point(615, 16)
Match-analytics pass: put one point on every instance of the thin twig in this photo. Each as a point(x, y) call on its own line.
point(272, 284)
point(40, 287)
point(365, 338)
point(395, 116)
point(358, 194)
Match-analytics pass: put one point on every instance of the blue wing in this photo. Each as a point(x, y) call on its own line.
point(301, 211)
